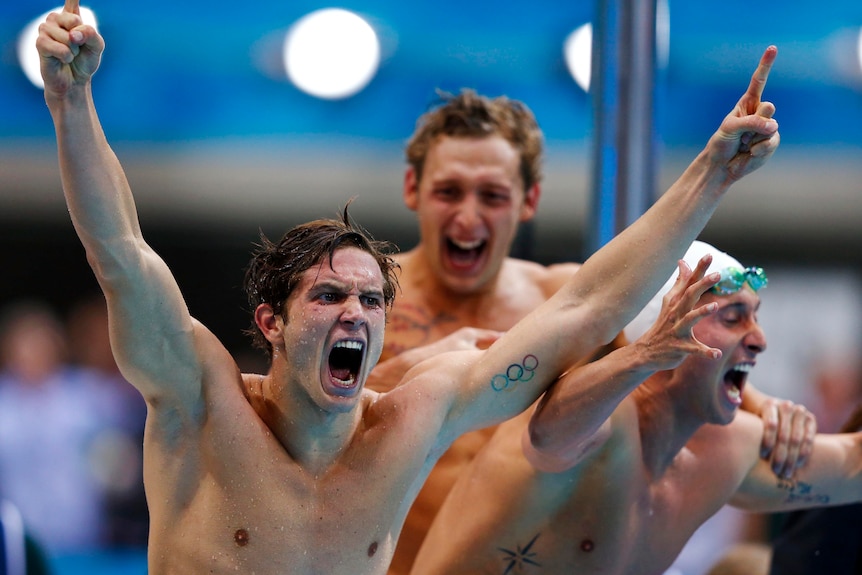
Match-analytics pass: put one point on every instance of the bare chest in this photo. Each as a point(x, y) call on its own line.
point(621, 524)
point(603, 518)
point(245, 506)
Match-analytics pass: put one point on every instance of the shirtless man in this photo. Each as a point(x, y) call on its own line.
point(594, 484)
point(304, 470)
point(474, 173)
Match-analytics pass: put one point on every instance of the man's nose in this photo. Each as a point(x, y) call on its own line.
point(756, 339)
point(469, 212)
point(353, 314)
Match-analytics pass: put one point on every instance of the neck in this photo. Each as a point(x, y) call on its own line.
point(437, 294)
point(312, 437)
point(666, 424)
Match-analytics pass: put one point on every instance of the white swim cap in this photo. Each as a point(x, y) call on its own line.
point(649, 314)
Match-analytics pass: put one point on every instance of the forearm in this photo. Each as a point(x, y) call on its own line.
point(745, 140)
point(833, 476)
point(652, 245)
point(575, 407)
point(97, 192)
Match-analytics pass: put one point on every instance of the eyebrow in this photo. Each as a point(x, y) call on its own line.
point(740, 305)
point(340, 286)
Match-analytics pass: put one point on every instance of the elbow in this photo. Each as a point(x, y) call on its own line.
point(116, 262)
point(593, 323)
point(537, 435)
point(538, 458)
point(553, 454)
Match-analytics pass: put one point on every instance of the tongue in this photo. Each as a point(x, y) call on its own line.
point(340, 373)
point(463, 258)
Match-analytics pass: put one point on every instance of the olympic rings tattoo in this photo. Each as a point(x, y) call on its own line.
point(517, 372)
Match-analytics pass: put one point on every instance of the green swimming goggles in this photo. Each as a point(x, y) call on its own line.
point(733, 278)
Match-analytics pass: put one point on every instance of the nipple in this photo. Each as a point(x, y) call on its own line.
point(241, 537)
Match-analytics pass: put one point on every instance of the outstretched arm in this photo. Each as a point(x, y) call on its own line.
point(388, 374)
point(832, 476)
point(572, 418)
point(151, 330)
point(617, 281)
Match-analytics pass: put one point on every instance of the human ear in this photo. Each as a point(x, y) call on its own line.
point(411, 189)
point(531, 202)
point(269, 323)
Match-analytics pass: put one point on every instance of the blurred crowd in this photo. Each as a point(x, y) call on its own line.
point(71, 431)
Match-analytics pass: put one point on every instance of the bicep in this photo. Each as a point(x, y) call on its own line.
point(153, 336)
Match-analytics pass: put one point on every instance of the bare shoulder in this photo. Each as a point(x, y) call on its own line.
point(418, 407)
point(731, 449)
point(743, 434)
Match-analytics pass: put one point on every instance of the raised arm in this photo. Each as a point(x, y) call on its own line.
point(617, 281)
point(573, 416)
point(151, 330)
point(388, 374)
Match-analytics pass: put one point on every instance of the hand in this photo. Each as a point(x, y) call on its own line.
point(748, 136)
point(670, 339)
point(69, 50)
point(788, 435)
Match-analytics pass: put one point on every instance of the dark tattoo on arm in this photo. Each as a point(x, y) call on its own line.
point(801, 492)
point(514, 561)
point(515, 373)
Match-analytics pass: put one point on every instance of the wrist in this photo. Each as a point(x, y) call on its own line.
point(75, 96)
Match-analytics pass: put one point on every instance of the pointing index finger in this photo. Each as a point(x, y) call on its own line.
point(72, 6)
point(758, 79)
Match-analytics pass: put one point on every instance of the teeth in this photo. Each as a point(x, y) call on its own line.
point(346, 382)
point(467, 245)
point(349, 344)
point(733, 393)
point(743, 367)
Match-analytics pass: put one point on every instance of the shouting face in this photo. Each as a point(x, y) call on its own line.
point(735, 331)
point(469, 202)
point(334, 328)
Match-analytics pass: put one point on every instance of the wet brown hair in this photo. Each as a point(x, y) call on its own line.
point(276, 268)
point(470, 115)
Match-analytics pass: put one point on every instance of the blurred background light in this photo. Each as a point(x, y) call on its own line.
point(662, 33)
point(331, 53)
point(577, 50)
point(859, 49)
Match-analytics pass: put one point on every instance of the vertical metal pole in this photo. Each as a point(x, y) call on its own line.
point(623, 84)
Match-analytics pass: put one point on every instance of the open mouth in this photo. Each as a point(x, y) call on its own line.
point(464, 254)
point(734, 381)
point(345, 361)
